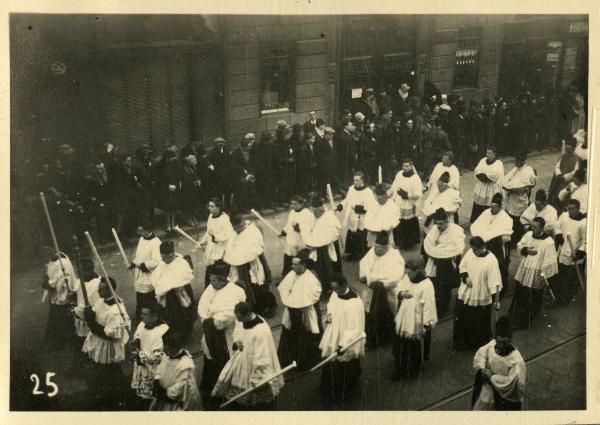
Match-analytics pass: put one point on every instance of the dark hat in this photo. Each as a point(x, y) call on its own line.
point(541, 221)
point(504, 327)
point(221, 270)
point(303, 255)
point(383, 238)
point(440, 214)
point(477, 242)
point(167, 247)
point(521, 156)
point(317, 202)
point(541, 196)
point(237, 219)
point(497, 198)
point(414, 264)
point(380, 189)
point(445, 177)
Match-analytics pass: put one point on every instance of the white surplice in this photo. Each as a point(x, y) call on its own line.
point(302, 292)
point(244, 248)
point(483, 274)
point(509, 374)
point(388, 269)
point(347, 324)
point(448, 244)
point(412, 316)
point(147, 253)
point(219, 305)
point(483, 192)
point(296, 241)
point(221, 229)
point(325, 231)
point(489, 226)
point(364, 197)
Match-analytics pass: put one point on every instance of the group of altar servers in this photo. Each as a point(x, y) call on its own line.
point(399, 303)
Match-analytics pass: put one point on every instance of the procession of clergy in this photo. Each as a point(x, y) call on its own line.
point(243, 368)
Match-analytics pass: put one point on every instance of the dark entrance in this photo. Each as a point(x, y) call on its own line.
point(377, 52)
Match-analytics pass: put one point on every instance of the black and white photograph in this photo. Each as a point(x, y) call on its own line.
point(217, 212)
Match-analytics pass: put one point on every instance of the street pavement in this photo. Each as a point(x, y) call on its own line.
point(441, 385)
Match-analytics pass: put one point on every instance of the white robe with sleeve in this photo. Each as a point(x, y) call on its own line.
point(300, 292)
point(295, 241)
point(381, 218)
point(509, 374)
point(577, 230)
point(575, 192)
point(81, 327)
point(174, 275)
point(483, 192)
point(325, 231)
point(219, 305)
point(440, 169)
point(347, 325)
point(245, 369)
point(61, 284)
point(222, 230)
point(147, 252)
point(244, 248)
point(548, 213)
point(489, 226)
point(388, 269)
point(112, 349)
point(518, 178)
point(484, 274)
point(532, 266)
point(449, 200)
point(364, 197)
point(412, 316)
point(448, 244)
point(409, 208)
point(177, 377)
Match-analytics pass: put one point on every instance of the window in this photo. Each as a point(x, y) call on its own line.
point(277, 88)
point(467, 58)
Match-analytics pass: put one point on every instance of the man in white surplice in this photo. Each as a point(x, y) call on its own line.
point(381, 270)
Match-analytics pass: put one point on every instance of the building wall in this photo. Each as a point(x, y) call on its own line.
point(443, 53)
point(242, 70)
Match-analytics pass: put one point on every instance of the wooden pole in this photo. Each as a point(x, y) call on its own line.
point(337, 353)
point(265, 222)
point(579, 277)
point(77, 252)
point(54, 242)
point(547, 284)
point(188, 237)
point(422, 304)
point(330, 196)
point(110, 287)
point(121, 250)
point(260, 384)
point(495, 309)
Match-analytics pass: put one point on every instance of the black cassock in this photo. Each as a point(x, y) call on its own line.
point(298, 343)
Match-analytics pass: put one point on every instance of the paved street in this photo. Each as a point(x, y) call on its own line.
point(443, 384)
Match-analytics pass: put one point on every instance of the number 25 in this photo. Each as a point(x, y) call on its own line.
point(36, 388)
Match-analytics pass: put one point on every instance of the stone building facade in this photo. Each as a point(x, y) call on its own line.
point(87, 80)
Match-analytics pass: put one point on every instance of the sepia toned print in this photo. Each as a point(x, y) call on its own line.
point(298, 212)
